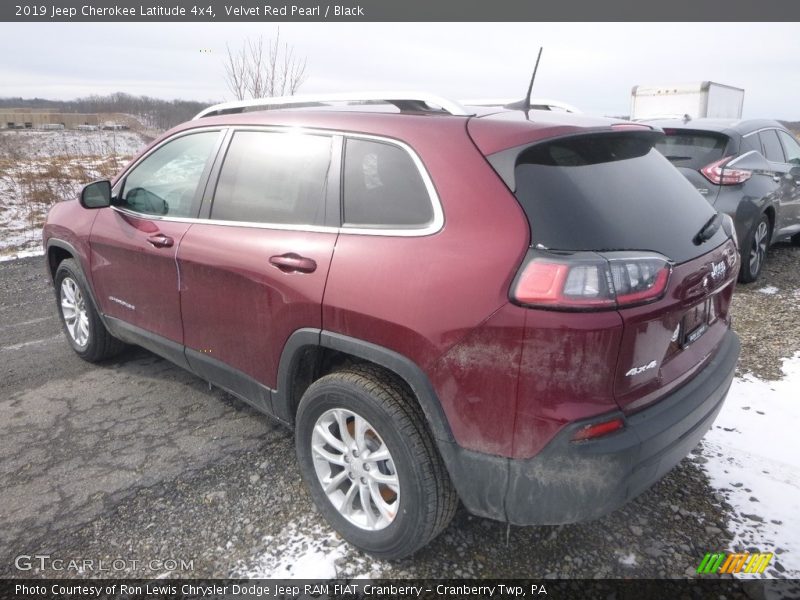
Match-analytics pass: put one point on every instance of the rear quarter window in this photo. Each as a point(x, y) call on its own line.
point(751, 142)
point(383, 187)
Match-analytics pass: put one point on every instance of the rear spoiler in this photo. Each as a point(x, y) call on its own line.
point(505, 162)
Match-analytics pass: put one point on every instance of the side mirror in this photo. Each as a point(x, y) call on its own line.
point(749, 161)
point(96, 195)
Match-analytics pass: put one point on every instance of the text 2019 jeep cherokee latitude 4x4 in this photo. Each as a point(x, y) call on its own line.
point(521, 309)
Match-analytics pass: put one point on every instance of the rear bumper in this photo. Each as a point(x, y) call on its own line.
point(569, 482)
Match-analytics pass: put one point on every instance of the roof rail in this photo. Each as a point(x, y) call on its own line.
point(548, 103)
point(402, 100)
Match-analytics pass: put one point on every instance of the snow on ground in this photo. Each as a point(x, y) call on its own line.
point(21, 211)
point(753, 454)
point(769, 290)
point(307, 550)
point(21, 254)
point(752, 459)
point(39, 168)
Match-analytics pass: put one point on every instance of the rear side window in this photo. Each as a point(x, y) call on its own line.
point(383, 187)
point(273, 178)
point(610, 192)
point(772, 145)
point(692, 149)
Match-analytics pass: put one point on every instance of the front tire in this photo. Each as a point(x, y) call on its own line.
point(754, 250)
point(79, 317)
point(370, 463)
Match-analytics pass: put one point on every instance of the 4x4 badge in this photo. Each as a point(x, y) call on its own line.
point(637, 370)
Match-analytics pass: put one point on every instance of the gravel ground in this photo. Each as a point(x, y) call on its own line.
point(767, 314)
point(225, 516)
point(206, 479)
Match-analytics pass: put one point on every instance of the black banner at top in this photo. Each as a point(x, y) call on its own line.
point(256, 11)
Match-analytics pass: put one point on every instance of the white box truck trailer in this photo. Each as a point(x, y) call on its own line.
point(702, 99)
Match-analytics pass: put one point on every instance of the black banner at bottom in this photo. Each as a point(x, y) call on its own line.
point(363, 589)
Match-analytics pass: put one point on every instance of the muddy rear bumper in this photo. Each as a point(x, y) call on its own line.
point(571, 481)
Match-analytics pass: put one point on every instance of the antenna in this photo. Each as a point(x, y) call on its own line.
point(530, 85)
point(525, 103)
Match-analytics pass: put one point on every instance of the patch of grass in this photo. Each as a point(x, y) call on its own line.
point(30, 186)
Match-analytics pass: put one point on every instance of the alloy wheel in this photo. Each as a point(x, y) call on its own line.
point(759, 248)
point(355, 469)
point(73, 309)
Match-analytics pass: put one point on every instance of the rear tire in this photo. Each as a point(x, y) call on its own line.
point(393, 505)
point(79, 317)
point(754, 250)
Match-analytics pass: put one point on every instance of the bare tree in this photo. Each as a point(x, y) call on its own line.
point(236, 73)
point(259, 70)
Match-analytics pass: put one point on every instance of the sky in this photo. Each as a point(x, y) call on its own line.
point(590, 65)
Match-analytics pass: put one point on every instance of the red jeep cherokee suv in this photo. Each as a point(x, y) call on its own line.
point(524, 310)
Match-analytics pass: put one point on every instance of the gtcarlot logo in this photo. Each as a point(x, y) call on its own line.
point(45, 562)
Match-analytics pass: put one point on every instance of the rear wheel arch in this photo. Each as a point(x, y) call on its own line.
point(771, 215)
point(754, 247)
point(312, 353)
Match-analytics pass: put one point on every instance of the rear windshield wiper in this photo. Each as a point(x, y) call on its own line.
point(670, 157)
point(708, 230)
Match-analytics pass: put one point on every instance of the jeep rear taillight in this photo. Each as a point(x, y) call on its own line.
point(718, 174)
point(589, 280)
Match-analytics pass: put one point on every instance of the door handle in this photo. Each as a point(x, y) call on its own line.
point(160, 240)
point(292, 262)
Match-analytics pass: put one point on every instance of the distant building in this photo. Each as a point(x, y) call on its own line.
point(112, 126)
point(43, 118)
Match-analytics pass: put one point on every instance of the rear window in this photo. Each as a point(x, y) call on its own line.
point(692, 149)
point(610, 192)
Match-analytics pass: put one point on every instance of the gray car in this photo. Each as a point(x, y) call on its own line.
point(747, 169)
